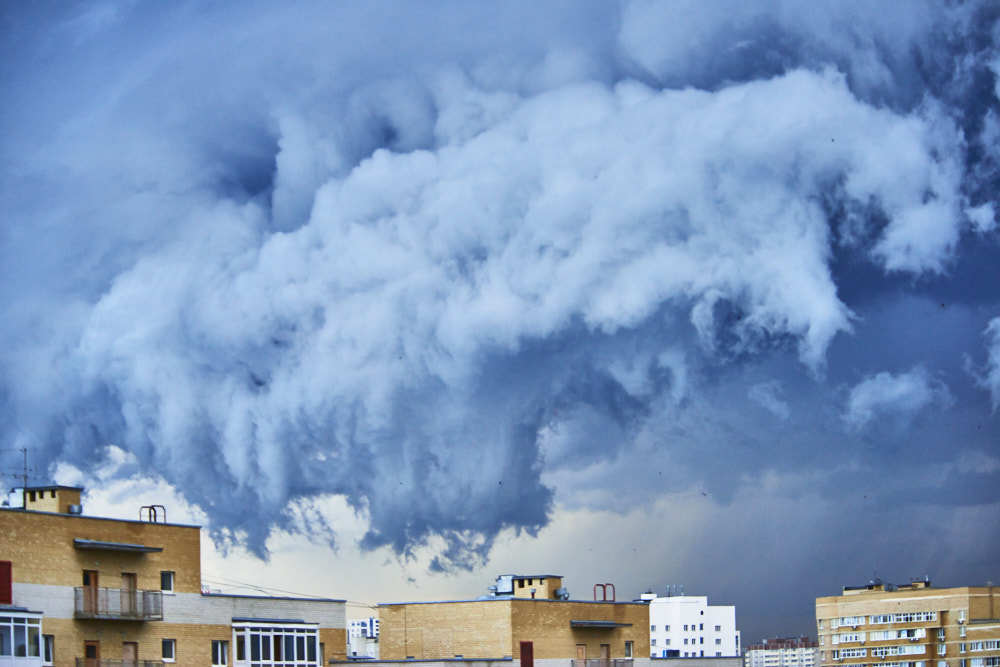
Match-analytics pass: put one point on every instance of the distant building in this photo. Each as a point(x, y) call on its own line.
point(782, 652)
point(686, 626)
point(524, 618)
point(362, 638)
point(911, 625)
point(82, 591)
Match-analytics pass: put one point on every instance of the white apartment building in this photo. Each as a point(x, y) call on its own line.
point(362, 638)
point(782, 652)
point(686, 626)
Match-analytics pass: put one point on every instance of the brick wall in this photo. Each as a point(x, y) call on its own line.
point(476, 629)
point(546, 623)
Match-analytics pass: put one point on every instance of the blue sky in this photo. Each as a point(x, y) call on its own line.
point(699, 293)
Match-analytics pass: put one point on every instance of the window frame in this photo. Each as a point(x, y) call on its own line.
point(222, 654)
point(172, 643)
point(173, 582)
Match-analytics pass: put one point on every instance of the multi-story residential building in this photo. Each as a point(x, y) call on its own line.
point(913, 625)
point(86, 591)
point(362, 637)
point(686, 626)
point(525, 618)
point(782, 652)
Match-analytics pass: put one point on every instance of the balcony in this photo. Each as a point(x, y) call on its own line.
point(97, 662)
point(117, 604)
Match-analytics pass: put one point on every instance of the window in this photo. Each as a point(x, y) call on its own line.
point(666, 628)
point(48, 649)
point(628, 649)
point(666, 642)
point(961, 647)
point(652, 642)
point(167, 581)
point(942, 649)
point(169, 650)
point(718, 628)
point(701, 626)
point(19, 636)
point(220, 652)
point(718, 653)
point(701, 640)
point(652, 628)
point(718, 642)
point(685, 627)
point(685, 641)
point(278, 644)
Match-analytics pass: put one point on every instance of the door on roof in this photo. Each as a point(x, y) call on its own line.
point(130, 654)
point(527, 654)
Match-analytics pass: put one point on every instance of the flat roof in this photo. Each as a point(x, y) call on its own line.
point(81, 543)
point(269, 597)
point(64, 515)
point(511, 598)
point(52, 487)
point(10, 609)
point(335, 661)
point(598, 624)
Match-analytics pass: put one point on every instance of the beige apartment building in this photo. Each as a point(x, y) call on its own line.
point(82, 591)
point(912, 625)
point(526, 618)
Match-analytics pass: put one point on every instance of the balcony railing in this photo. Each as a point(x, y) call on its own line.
point(117, 604)
point(603, 662)
point(95, 662)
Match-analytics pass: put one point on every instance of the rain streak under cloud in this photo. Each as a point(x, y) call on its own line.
point(462, 265)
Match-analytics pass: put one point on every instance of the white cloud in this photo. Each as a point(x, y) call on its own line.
point(894, 396)
point(990, 378)
point(768, 396)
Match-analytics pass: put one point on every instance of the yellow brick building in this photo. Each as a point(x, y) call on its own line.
point(913, 625)
point(94, 592)
point(515, 625)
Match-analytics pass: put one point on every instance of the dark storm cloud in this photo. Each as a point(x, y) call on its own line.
point(452, 262)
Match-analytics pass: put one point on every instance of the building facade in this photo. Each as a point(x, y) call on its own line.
point(782, 652)
point(913, 625)
point(512, 626)
point(94, 592)
point(362, 638)
point(686, 626)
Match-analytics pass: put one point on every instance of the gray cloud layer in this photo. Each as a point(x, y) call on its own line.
point(445, 260)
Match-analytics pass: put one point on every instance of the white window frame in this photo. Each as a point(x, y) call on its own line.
point(172, 643)
point(49, 645)
point(173, 582)
point(223, 659)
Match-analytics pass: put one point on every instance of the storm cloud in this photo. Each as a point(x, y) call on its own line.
point(454, 263)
